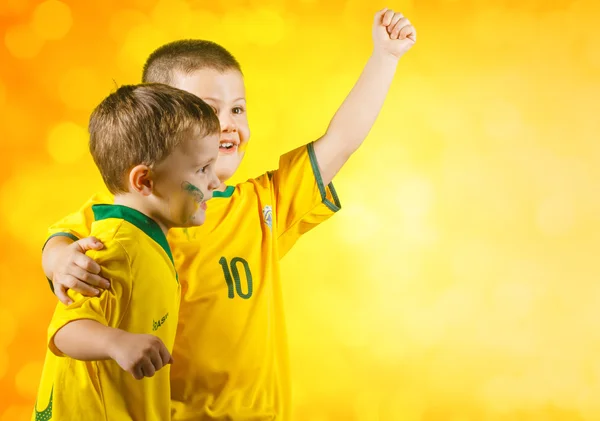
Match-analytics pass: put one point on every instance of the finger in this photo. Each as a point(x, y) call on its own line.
point(88, 243)
point(61, 293)
point(408, 31)
point(387, 18)
point(171, 361)
point(76, 285)
point(165, 356)
point(136, 372)
point(156, 360)
point(379, 16)
point(147, 368)
point(89, 278)
point(86, 263)
point(395, 30)
point(395, 19)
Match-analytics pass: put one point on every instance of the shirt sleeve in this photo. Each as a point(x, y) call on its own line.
point(107, 309)
point(302, 200)
point(78, 225)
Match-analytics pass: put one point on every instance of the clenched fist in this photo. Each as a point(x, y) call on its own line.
point(140, 355)
point(393, 33)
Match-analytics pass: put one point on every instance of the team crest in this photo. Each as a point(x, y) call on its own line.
point(268, 216)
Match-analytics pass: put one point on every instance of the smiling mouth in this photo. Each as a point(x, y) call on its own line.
point(228, 147)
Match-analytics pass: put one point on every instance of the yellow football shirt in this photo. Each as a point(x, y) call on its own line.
point(231, 359)
point(144, 298)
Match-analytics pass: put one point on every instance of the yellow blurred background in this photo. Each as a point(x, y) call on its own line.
point(460, 280)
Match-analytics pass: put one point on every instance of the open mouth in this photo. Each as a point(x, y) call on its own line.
point(227, 147)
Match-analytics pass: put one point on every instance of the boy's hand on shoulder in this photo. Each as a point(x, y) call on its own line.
point(140, 355)
point(74, 270)
point(393, 34)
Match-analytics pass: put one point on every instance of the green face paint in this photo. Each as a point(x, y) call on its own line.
point(193, 191)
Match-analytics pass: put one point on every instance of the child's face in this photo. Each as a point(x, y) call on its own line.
point(185, 180)
point(226, 93)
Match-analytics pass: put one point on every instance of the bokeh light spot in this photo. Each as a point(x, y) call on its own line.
point(173, 17)
point(122, 21)
point(21, 127)
point(140, 41)
point(27, 379)
point(17, 413)
point(264, 27)
point(3, 362)
point(22, 42)
point(52, 20)
point(359, 224)
point(13, 7)
point(82, 88)
point(67, 142)
point(8, 327)
point(414, 200)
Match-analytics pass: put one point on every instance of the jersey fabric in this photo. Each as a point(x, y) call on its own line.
point(231, 359)
point(144, 298)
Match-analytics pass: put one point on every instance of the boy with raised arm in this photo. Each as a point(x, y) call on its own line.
point(231, 359)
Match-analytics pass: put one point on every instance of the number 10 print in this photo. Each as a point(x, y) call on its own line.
point(236, 277)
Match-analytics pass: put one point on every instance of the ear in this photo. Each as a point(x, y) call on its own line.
point(140, 180)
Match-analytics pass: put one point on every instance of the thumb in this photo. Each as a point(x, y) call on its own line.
point(170, 360)
point(379, 16)
point(89, 243)
point(61, 293)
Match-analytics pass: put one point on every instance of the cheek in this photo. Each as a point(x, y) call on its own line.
point(243, 129)
point(165, 189)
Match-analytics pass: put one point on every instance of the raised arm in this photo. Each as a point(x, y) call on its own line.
point(393, 36)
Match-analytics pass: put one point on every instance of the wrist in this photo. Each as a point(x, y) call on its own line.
point(113, 341)
point(385, 58)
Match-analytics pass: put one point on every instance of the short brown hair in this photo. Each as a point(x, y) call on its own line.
point(187, 56)
point(142, 124)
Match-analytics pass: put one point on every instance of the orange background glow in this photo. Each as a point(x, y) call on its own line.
point(460, 281)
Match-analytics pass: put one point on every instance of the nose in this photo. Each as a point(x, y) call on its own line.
point(214, 181)
point(227, 122)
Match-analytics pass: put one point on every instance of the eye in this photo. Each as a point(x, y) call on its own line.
point(204, 169)
point(237, 110)
point(214, 109)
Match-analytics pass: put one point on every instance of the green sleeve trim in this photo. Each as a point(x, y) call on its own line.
point(336, 204)
point(60, 234)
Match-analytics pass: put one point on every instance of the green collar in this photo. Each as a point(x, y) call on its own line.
point(134, 217)
point(227, 193)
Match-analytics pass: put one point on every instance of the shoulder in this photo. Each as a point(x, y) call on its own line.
point(117, 239)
